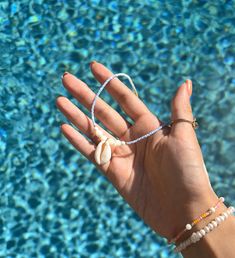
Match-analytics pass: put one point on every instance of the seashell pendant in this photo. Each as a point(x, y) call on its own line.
point(103, 153)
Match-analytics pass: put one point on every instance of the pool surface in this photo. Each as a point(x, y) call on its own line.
point(54, 203)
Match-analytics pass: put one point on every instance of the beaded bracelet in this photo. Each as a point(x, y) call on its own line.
point(196, 236)
point(197, 220)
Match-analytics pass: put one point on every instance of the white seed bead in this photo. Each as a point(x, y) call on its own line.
point(118, 143)
point(97, 129)
point(212, 209)
point(98, 133)
point(202, 231)
point(207, 230)
point(188, 227)
point(123, 142)
point(210, 226)
point(214, 223)
point(111, 141)
point(218, 220)
point(221, 199)
point(103, 137)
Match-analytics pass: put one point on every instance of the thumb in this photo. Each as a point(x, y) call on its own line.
point(181, 107)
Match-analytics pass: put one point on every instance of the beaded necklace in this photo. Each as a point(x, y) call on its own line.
point(103, 151)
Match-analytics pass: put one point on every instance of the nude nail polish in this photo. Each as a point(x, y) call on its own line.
point(189, 86)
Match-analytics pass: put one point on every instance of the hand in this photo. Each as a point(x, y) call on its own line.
point(163, 177)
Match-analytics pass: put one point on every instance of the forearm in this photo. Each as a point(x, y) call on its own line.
point(218, 243)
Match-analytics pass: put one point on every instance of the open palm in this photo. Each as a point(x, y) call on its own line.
point(160, 176)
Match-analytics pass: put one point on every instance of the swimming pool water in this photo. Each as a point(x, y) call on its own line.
point(54, 203)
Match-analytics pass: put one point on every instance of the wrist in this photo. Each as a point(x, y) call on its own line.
point(192, 210)
point(216, 243)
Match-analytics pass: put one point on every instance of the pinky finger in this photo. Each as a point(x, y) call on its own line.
point(79, 141)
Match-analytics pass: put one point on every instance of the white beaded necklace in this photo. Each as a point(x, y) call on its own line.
point(103, 151)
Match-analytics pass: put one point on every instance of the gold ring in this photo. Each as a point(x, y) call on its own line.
point(194, 123)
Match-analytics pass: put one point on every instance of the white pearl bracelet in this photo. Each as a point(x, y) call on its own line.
point(196, 236)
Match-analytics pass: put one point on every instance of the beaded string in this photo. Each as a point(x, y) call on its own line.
point(103, 151)
point(196, 236)
point(197, 220)
point(93, 107)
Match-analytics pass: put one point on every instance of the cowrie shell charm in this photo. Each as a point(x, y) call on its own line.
point(103, 152)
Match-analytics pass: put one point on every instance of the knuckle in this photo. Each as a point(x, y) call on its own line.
point(123, 98)
point(101, 114)
point(187, 109)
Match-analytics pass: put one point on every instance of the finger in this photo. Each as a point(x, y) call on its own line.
point(78, 118)
point(181, 108)
point(106, 114)
point(129, 102)
point(79, 141)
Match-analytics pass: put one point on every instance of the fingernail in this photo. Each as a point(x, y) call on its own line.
point(189, 87)
point(92, 62)
point(64, 75)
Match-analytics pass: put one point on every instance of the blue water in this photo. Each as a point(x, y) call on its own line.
point(53, 202)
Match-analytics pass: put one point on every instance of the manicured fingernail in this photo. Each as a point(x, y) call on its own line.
point(189, 87)
point(64, 75)
point(92, 62)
